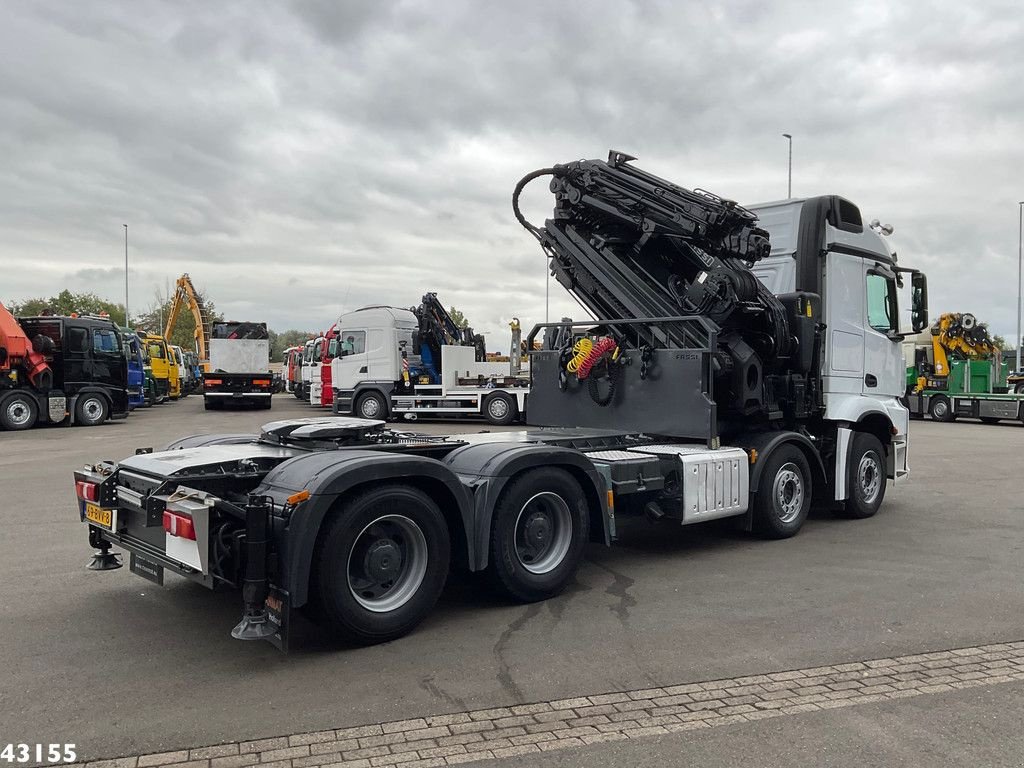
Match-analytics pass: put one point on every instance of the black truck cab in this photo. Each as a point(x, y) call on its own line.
point(90, 368)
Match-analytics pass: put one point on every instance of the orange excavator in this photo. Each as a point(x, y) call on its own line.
point(17, 352)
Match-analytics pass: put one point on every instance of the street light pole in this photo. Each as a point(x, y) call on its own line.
point(1020, 258)
point(789, 185)
point(126, 323)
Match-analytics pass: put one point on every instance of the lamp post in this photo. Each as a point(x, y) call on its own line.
point(126, 323)
point(789, 185)
point(1020, 257)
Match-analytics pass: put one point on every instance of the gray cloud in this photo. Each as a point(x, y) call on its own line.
point(300, 159)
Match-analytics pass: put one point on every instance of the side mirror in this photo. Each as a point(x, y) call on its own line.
point(919, 301)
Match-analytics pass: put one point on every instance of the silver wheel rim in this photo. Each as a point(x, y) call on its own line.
point(498, 408)
point(387, 563)
point(18, 413)
point(869, 475)
point(543, 532)
point(92, 409)
point(788, 492)
point(939, 409)
point(369, 407)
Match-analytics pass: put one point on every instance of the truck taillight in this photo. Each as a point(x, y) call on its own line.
point(212, 381)
point(179, 525)
point(261, 382)
point(87, 491)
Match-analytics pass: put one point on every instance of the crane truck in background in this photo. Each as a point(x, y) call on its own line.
point(239, 366)
point(419, 362)
point(743, 363)
point(960, 372)
point(54, 369)
point(165, 376)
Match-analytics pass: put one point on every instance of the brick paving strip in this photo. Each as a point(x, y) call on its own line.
point(485, 734)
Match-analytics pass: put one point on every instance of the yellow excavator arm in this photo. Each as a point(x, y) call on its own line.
point(185, 295)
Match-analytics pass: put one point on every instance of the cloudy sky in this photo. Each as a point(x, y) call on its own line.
point(300, 159)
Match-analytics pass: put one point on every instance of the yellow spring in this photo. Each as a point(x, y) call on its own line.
point(581, 349)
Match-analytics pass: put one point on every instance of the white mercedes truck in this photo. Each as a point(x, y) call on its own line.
point(742, 363)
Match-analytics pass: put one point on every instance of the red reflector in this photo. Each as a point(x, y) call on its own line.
point(87, 491)
point(179, 525)
point(261, 382)
point(212, 381)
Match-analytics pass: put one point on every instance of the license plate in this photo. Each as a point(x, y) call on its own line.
point(147, 569)
point(99, 516)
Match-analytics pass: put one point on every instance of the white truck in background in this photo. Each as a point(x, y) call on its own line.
point(382, 371)
point(239, 366)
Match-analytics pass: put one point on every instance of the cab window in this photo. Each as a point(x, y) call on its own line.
point(332, 349)
point(881, 298)
point(353, 342)
point(104, 340)
point(156, 352)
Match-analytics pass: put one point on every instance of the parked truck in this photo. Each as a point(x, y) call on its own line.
point(165, 375)
point(57, 369)
point(961, 373)
point(417, 362)
point(743, 363)
point(239, 366)
point(136, 381)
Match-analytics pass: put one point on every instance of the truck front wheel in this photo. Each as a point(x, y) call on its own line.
point(783, 496)
point(91, 410)
point(865, 477)
point(500, 409)
point(380, 564)
point(18, 412)
point(941, 410)
point(371, 405)
point(539, 530)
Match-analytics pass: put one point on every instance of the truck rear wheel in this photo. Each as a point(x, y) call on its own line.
point(500, 409)
point(783, 496)
point(539, 530)
point(865, 477)
point(212, 404)
point(380, 564)
point(371, 405)
point(90, 410)
point(19, 411)
point(941, 410)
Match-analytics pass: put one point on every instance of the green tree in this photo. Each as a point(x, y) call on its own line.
point(280, 341)
point(458, 317)
point(999, 341)
point(67, 302)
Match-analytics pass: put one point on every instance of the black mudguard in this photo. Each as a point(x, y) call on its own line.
point(487, 468)
point(330, 475)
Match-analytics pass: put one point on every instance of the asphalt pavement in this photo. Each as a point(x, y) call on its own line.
point(119, 666)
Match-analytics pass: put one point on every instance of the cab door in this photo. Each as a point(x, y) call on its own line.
point(885, 373)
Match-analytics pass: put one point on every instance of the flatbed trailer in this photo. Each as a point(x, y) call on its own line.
point(988, 407)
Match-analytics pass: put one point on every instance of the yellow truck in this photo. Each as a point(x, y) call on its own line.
point(165, 367)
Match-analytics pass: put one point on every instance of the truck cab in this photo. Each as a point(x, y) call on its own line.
point(136, 382)
point(90, 372)
point(854, 269)
point(159, 362)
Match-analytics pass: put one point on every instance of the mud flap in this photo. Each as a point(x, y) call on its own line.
point(278, 606)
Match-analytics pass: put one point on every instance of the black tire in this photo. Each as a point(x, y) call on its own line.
point(211, 404)
point(549, 503)
point(500, 409)
point(265, 404)
point(91, 409)
point(865, 477)
point(371, 405)
point(990, 419)
point(370, 527)
point(783, 496)
point(18, 412)
point(940, 409)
